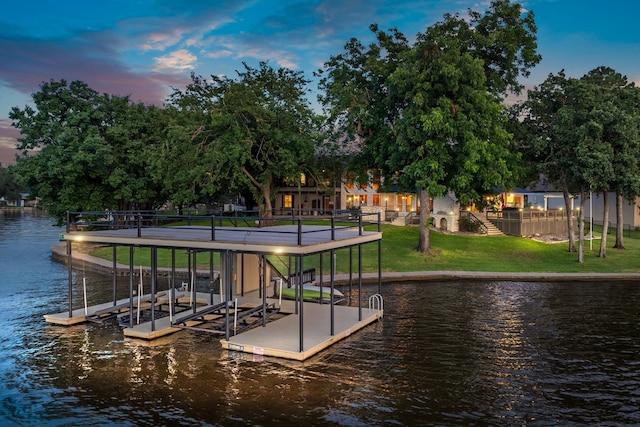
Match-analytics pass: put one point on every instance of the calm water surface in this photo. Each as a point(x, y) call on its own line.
point(449, 353)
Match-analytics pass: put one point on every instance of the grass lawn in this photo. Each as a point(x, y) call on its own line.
point(450, 252)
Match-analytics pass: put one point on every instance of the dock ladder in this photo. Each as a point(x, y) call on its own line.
point(376, 302)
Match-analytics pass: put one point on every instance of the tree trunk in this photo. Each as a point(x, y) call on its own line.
point(424, 243)
point(581, 228)
point(605, 225)
point(267, 207)
point(619, 223)
point(570, 228)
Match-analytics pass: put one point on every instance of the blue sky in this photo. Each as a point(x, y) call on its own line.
point(142, 48)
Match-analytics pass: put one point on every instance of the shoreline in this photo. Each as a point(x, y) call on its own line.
point(58, 254)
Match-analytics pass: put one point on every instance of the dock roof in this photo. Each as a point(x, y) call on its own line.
point(293, 239)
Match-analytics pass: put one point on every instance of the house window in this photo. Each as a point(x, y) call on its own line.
point(363, 199)
point(287, 201)
point(376, 200)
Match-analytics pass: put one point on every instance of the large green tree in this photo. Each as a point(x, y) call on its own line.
point(617, 111)
point(542, 143)
point(91, 149)
point(181, 164)
point(250, 132)
point(10, 187)
point(429, 114)
point(567, 139)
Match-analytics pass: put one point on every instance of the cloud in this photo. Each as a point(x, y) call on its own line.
point(26, 62)
point(8, 140)
point(177, 61)
point(174, 25)
point(114, 59)
point(161, 41)
point(223, 53)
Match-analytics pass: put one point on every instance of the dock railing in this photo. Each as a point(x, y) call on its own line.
point(236, 221)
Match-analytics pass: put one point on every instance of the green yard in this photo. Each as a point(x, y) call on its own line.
point(450, 252)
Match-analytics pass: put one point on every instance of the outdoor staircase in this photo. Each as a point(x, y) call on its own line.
point(403, 218)
point(492, 230)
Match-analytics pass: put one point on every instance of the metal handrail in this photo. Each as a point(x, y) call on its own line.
point(376, 303)
point(112, 220)
point(471, 217)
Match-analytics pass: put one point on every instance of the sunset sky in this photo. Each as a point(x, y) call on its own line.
point(142, 48)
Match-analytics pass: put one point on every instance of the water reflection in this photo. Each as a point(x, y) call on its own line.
point(450, 353)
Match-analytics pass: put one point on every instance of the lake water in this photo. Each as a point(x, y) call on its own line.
point(446, 353)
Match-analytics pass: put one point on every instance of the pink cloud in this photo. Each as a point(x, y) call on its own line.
point(8, 140)
point(26, 63)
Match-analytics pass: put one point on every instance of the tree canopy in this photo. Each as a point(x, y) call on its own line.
point(583, 136)
point(92, 150)
point(250, 132)
point(10, 188)
point(430, 114)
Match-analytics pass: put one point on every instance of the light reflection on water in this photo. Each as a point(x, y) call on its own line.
point(446, 353)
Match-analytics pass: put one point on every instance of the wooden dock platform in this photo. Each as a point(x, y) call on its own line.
point(280, 338)
point(107, 309)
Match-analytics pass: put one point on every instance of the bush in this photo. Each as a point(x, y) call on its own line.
point(465, 224)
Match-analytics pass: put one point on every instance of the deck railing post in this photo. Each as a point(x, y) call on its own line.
point(333, 225)
point(359, 282)
point(213, 228)
point(301, 304)
point(139, 225)
point(299, 231)
point(68, 221)
point(154, 285)
point(70, 277)
point(359, 223)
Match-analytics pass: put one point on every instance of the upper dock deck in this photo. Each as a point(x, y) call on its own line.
point(293, 236)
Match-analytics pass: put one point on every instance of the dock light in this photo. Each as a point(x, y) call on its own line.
point(78, 238)
point(278, 250)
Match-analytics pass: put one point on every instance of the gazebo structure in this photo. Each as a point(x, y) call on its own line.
point(247, 310)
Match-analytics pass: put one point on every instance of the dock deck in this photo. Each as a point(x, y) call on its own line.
point(279, 338)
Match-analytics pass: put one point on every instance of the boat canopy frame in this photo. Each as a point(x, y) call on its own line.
point(291, 236)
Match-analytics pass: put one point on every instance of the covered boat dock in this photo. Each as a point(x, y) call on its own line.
point(247, 312)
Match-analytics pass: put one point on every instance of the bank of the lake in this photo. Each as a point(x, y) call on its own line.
point(453, 256)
